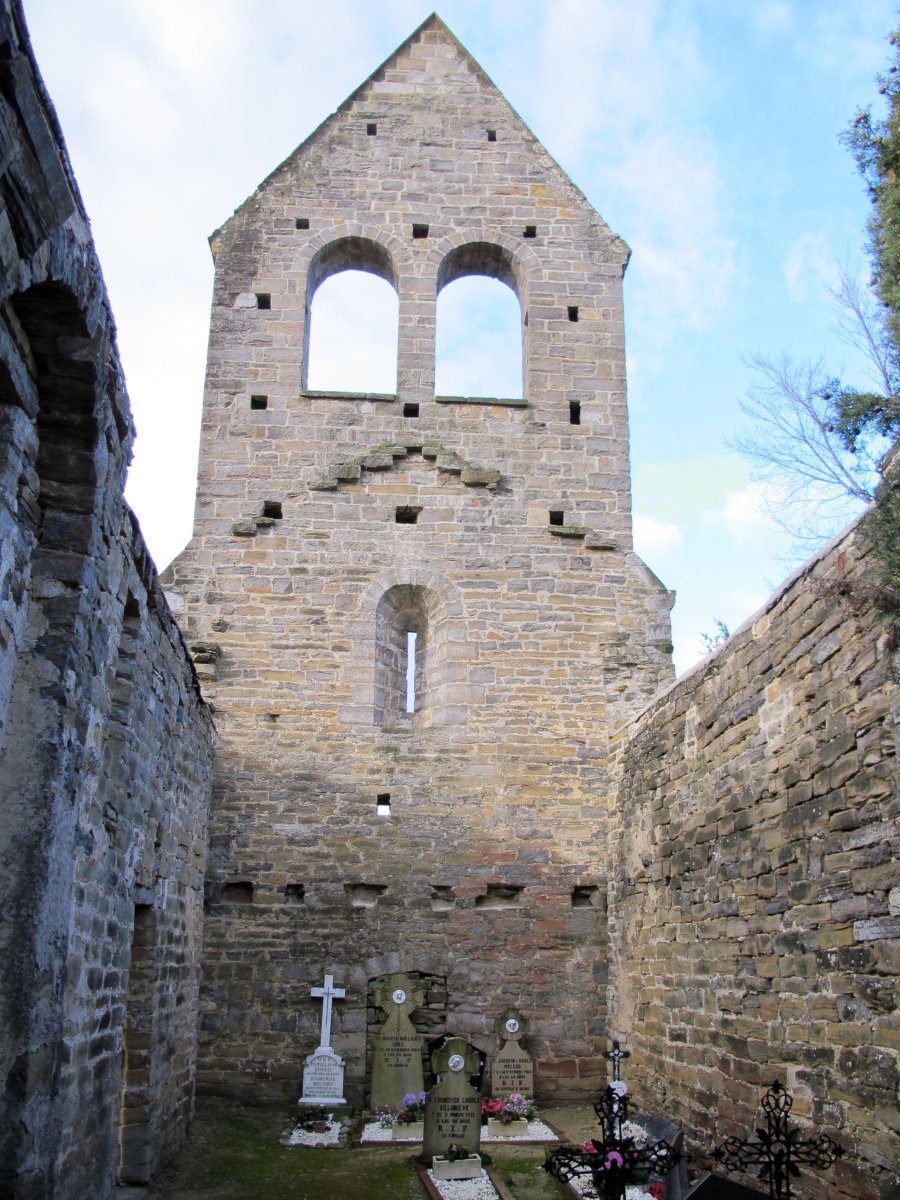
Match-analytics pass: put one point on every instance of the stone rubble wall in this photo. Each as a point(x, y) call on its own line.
point(105, 743)
point(755, 899)
point(490, 870)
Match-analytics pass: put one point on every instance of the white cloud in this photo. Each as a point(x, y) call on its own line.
point(655, 540)
point(747, 513)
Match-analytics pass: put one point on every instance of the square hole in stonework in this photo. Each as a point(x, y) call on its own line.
point(383, 804)
point(530, 231)
point(574, 412)
point(264, 300)
point(294, 893)
point(258, 403)
point(239, 892)
point(500, 895)
point(410, 410)
point(302, 223)
point(573, 312)
point(420, 231)
point(364, 895)
point(585, 896)
point(272, 509)
point(406, 515)
point(442, 898)
point(492, 135)
point(557, 516)
point(371, 129)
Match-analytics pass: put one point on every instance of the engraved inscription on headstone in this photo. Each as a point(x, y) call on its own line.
point(323, 1078)
point(512, 1069)
point(397, 1053)
point(323, 1072)
point(453, 1108)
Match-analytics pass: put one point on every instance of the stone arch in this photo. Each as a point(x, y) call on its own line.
point(350, 252)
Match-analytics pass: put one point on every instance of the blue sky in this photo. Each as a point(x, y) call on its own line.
point(705, 133)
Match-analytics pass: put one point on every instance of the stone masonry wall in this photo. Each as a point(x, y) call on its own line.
point(301, 583)
point(756, 931)
point(105, 744)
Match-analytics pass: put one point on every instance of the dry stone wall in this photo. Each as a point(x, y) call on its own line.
point(756, 896)
point(465, 840)
point(105, 743)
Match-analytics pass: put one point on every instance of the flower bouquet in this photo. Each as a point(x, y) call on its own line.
point(508, 1117)
point(408, 1121)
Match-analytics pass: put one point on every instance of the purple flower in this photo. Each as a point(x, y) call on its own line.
point(613, 1160)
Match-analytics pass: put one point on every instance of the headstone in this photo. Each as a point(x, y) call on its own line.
point(323, 1073)
point(453, 1107)
point(512, 1070)
point(397, 1053)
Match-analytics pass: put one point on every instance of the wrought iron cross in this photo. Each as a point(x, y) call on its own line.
point(615, 1161)
point(779, 1151)
point(615, 1056)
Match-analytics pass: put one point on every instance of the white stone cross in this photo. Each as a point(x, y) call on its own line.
point(328, 993)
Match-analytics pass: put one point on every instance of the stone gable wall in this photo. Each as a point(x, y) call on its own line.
point(755, 904)
point(534, 637)
point(105, 743)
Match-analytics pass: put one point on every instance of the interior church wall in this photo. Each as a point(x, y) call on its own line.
point(755, 906)
point(105, 743)
point(302, 581)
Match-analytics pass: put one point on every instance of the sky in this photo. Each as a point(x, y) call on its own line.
point(705, 133)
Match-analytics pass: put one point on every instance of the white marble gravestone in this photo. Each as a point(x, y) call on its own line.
point(323, 1073)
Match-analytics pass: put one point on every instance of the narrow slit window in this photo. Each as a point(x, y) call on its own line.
point(574, 412)
point(383, 804)
point(302, 223)
point(411, 671)
point(371, 129)
point(573, 312)
point(272, 509)
point(492, 135)
point(530, 231)
point(259, 403)
point(420, 231)
point(264, 300)
point(557, 516)
point(410, 410)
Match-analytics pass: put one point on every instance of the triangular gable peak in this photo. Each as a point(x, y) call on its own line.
point(430, 95)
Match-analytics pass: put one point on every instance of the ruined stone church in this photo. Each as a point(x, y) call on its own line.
point(406, 701)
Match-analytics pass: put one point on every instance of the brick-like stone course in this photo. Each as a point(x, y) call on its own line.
point(534, 644)
point(105, 743)
point(755, 892)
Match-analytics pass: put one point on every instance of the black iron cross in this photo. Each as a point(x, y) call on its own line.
point(615, 1056)
point(779, 1150)
point(615, 1161)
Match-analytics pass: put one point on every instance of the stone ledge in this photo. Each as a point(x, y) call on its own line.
point(568, 531)
point(502, 401)
point(381, 397)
